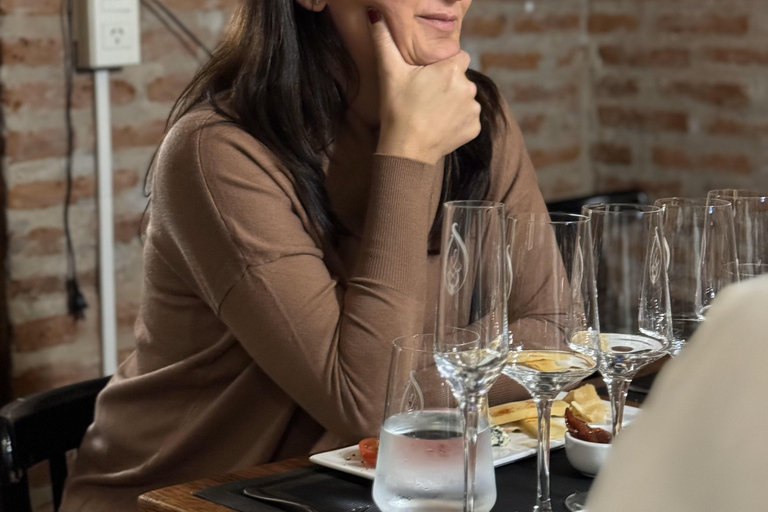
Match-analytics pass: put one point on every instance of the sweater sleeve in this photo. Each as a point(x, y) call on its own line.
point(326, 345)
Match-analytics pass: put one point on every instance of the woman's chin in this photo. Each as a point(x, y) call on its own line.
point(436, 51)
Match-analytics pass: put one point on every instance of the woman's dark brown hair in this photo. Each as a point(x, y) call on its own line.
point(283, 75)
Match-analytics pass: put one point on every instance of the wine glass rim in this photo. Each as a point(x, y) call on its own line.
point(693, 202)
point(399, 342)
point(474, 204)
point(573, 218)
point(620, 208)
point(741, 193)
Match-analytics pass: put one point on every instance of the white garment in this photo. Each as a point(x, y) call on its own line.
point(701, 441)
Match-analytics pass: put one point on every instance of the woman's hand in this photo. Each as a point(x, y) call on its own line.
point(427, 112)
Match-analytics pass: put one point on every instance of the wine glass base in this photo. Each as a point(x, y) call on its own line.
point(576, 502)
point(545, 507)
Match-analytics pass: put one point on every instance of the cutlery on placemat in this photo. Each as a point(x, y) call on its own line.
point(260, 494)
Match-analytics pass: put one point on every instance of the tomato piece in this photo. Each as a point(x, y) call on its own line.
point(369, 449)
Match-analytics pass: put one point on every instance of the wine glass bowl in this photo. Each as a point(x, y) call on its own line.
point(553, 328)
point(750, 218)
point(700, 243)
point(630, 261)
point(472, 299)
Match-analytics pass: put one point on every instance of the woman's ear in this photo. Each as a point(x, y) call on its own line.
point(313, 5)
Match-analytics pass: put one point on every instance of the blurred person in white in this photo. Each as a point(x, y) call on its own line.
point(699, 444)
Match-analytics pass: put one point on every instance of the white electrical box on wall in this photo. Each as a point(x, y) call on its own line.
point(107, 33)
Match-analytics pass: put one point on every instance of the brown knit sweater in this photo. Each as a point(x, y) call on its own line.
point(254, 342)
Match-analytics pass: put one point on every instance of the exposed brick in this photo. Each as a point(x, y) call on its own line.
point(481, 26)
point(616, 87)
point(659, 57)
point(609, 153)
point(679, 158)
point(704, 24)
point(718, 94)
point(740, 56)
point(149, 134)
point(543, 158)
point(548, 23)
point(20, 146)
point(47, 332)
point(511, 60)
point(127, 229)
point(42, 194)
point(32, 288)
point(31, 52)
point(52, 376)
point(30, 7)
point(620, 117)
point(535, 93)
point(736, 128)
point(531, 124)
point(121, 92)
point(167, 88)
point(200, 5)
point(38, 242)
point(601, 23)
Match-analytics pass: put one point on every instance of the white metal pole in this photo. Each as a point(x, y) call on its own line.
point(106, 260)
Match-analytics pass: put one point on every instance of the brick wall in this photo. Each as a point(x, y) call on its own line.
point(680, 94)
point(50, 349)
point(537, 54)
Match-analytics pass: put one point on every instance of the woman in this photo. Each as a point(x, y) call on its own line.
point(295, 209)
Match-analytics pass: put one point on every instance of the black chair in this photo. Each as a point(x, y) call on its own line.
point(574, 205)
point(41, 427)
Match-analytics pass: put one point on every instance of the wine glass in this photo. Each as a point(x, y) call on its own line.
point(420, 464)
point(750, 217)
point(553, 332)
point(630, 267)
point(473, 298)
point(699, 240)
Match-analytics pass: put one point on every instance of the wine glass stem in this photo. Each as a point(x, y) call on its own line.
point(617, 391)
point(544, 409)
point(470, 408)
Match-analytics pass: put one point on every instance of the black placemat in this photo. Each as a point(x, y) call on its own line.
point(331, 491)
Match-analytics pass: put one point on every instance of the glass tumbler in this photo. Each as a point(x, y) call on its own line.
point(420, 466)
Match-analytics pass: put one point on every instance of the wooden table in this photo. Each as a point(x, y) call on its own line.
point(179, 498)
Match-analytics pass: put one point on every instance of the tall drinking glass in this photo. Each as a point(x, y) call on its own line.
point(420, 466)
point(554, 331)
point(750, 217)
point(699, 240)
point(473, 298)
point(630, 267)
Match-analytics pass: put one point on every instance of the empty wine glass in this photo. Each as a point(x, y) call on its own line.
point(699, 240)
point(420, 465)
point(750, 217)
point(554, 331)
point(473, 298)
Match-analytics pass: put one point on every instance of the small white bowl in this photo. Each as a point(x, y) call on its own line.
point(585, 456)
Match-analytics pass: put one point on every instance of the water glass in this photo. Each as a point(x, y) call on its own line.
point(420, 464)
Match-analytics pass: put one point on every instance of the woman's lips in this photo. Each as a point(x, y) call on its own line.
point(440, 22)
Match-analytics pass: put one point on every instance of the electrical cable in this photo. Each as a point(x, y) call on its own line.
point(76, 303)
point(153, 5)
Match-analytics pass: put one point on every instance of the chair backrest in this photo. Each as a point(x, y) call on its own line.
point(41, 427)
point(574, 205)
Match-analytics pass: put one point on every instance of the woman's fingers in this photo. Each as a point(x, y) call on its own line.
point(389, 58)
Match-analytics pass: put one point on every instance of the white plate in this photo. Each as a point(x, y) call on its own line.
point(520, 446)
